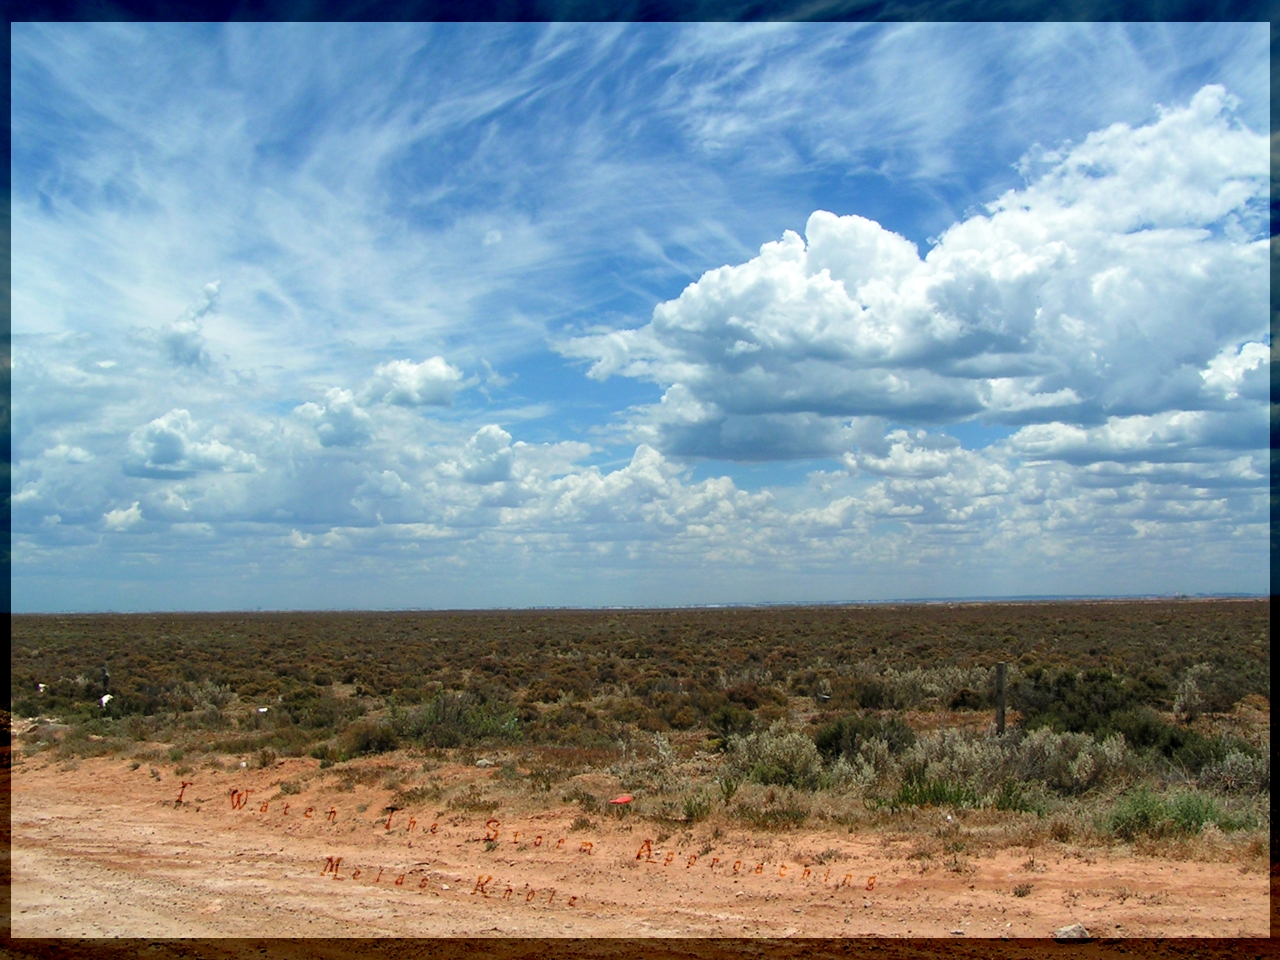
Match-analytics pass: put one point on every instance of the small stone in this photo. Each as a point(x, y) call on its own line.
point(866, 903)
point(957, 933)
point(1075, 931)
point(484, 763)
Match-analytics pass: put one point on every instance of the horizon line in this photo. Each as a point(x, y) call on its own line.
point(740, 605)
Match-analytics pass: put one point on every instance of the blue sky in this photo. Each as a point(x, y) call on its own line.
point(505, 315)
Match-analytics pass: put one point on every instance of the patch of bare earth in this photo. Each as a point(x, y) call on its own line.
point(105, 850)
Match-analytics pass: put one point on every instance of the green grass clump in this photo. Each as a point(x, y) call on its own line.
point(459, 718)
point(697, 807)
point(1010, 796)
point(1141, 813)
point(917, 791)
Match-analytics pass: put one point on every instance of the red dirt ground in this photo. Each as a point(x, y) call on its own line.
point(103, 850)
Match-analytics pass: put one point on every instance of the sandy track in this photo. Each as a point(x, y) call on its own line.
point(104, 851)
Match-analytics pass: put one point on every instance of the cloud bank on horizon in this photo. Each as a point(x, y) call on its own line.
point(500, 316)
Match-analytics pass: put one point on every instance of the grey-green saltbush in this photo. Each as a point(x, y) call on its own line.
point(777, 756)
point(1238, 773)
point(1069, 762)
point(1065, 763)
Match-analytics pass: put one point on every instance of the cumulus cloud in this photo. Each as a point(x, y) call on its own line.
point(433, 382)
point(123, 519)
point(29, 493)
point(1170, 436)
point(487, 457)
point(1117, 283)
point(1229, 370)
point(340, 421)
point(168, 446)
point(182, 340)
point(918, 455)
point(384, 485)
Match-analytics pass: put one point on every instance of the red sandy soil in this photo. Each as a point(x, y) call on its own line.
point(103, 850)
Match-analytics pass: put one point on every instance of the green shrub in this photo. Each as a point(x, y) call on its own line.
point(1188, 702)
point(697, 807)
point(778, 757)
point(844, 737)
point(369, 736)
point(728, 787)
point(1073, 702)
point(324, 753)
point(730, 720)
point(457, 718)
point(1136, 814)
point(1011, 796)
point(1185, 748)
point(868, 693)
point(1189, 812)
point(1141, 813)
point(966, 699)
point(920, 792)
point(1237, 772)
point(1068, 763)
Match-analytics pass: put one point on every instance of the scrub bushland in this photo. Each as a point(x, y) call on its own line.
point(1124, 717)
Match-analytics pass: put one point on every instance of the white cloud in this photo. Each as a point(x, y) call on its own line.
point(1112, 311)
point(167, 447)
point(1104, 288)
point(123, 519)
point(487, 457)
point(182, 340)
point(918, 455)
point(29, 493)
point(340, 421)
point(299, 541)
point(1227, 371)
point(433, 382)
point(385, 485)
point(68, 453)
point(1171, 436)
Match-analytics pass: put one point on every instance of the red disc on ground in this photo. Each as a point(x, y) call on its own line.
point(625, 798)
